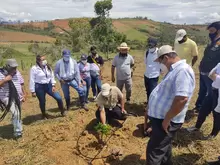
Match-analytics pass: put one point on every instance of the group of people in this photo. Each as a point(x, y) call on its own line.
point(167, 101)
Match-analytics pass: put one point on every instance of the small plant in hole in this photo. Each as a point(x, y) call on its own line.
point(103, 130)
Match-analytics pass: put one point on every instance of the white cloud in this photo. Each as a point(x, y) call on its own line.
point(175, 11)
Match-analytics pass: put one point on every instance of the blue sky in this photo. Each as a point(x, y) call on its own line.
point(174, 11)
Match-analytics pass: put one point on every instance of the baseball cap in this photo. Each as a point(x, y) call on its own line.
point(66, 52)
point(152, 41)
point(12, 63)
point(105, 89)
point(215, 25)
point(180, 34)
point(165, 49)
point(83, 57)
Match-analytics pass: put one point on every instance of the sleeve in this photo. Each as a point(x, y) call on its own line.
point(114, 62)
point(57, 70)
point(184, 84)
point(145, 59)
point(53, 81)
point(101, 62)
point(2, 77)
point(132, 60)
point(32, 80)
point(194, 50)
point(76, 68)
point(214, 70)
point(21, 78)
point(216, 83)
point(99, 102)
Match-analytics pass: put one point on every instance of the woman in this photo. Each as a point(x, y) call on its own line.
point(84, 69)
point(41, 82)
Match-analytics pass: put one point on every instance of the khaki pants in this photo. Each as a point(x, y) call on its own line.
point(128, 87)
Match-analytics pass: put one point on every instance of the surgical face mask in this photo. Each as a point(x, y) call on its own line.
point(152, 50)
point(163, 68)
point(213, 35)
point(66, 59)
point(44, 62)
point(84, 61)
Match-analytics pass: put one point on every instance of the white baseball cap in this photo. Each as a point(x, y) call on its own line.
point(105, 89)
point(165, 49)
point(180, 34)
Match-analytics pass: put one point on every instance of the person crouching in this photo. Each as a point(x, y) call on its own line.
point(110, 103)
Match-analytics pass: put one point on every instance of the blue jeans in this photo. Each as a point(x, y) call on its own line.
point(96, 82)
point(88, 85)
point(41, 91)
point(150, 84)
point(209, 102)
point(75, 85)
point(202, 92)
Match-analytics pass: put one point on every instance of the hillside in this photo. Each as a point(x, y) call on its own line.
point(135, 29)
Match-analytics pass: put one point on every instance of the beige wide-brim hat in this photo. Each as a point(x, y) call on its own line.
point(124, 46)
point(165, 49)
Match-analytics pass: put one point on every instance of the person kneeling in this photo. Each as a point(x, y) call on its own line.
point(110, 103)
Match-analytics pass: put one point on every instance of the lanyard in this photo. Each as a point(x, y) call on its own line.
point(45, 71)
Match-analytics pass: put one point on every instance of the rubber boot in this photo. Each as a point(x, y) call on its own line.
point(83, 103)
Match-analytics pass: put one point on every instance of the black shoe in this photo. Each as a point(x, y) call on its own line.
point(64, 113)
point(45, 116)
point(17, 137)
point(85, 107)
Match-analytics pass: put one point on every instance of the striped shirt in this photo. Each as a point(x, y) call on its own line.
point(18, 81)
point(179, 81)
point(41, 76)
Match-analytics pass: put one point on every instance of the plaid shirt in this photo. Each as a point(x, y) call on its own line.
point(179, 81)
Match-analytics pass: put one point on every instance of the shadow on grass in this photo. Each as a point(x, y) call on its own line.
point(6, 131)
point(186, 159)
point(34, 118)
point(183, 138)
point(134, 108)
point(132, 159)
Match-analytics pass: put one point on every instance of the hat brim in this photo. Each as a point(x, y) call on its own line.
point(106, 93)
point(128, 48)
point(179, 38)
point(13, 66)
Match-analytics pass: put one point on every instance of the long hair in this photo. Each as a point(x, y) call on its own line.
point(38, 59)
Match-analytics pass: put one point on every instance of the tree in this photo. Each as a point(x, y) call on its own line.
point(103, 32)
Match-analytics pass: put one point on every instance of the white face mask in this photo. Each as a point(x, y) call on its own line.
point(84, 61)
point(44, 62)
point(152, 50)
point(164, 69)
point(66, 59)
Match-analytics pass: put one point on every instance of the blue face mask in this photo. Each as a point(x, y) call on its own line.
point(66, 59)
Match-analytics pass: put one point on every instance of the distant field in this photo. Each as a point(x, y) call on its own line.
point(11, 36)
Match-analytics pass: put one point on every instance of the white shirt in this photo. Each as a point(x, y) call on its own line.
point(216, 84)
point(41, 76)
point(152, 68)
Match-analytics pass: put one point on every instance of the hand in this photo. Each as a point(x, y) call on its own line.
point(213, 76)
point(101, 77)
point(165, 125)
point(62, 82)
point(33, 94)
point(80, 84)
point(113, 79)
point(84, 83)
point(24, 99)
point(8, 78)
point(53, 89)
point(124, 111)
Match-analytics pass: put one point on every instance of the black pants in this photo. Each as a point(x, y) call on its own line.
point(216, 124)
point(115, 113)
point(159, 148)
point(150, 84)
point(207, 107)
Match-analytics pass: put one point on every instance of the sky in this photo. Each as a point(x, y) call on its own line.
point(173, 11)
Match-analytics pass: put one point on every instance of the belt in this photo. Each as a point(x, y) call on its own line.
point(68, 80)
point(204, 74)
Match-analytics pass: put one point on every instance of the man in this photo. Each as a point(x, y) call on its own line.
point(110, 103)
point(152, 72)
point(67, 72)
point(185, 47)
point(12, 94)
point(210, 59)
point(167, 105)
point(123, 62)
point(96, 66)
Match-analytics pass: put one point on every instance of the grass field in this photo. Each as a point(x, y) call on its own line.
point(55, 141)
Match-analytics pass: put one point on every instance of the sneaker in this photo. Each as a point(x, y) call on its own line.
point(94, 97)
point(128, 101)
point(209, 137)
point(192, 129)
point(45, 116)
point(16, 137)
point(87, 101)
point(63, 114)
point(85, 107)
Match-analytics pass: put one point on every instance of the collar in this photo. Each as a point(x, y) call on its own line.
point(173, 66)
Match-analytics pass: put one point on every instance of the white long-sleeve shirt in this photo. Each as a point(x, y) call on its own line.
point(41, 76)
point(152, 67)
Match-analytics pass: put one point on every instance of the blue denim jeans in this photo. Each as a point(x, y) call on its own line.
point(150, 84)
point(41, 91)
point(75, 85)
point(88, 85)
point(96, 82)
